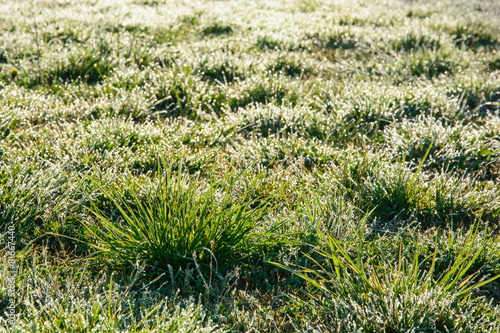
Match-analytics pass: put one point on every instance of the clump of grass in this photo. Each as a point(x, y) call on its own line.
point(476, 98)
point(276, 42)
point(179, 223)
point(415, 39)
point(400, 196)
point(420, 13)
point(180, 93)
point(3, 57)
point(429, 63)
point(341, 38)
point(372, 184)
point(219, 68)
point(456, 146)
point(292, 65)
point(88, 65)
point(111, 134)
point(96, 301)
point(7, 124)
point(266, 89)
point(474, 35)
point(284, 121)
point(29, 198)
point(388, 294)
point(217, 28)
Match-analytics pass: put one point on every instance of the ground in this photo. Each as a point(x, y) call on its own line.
point(249, 166)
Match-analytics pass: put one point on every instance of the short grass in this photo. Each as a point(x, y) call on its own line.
point(250, 166)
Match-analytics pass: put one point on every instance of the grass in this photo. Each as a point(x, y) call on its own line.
point(398, 295)
point(272, 166)
point(176, 224)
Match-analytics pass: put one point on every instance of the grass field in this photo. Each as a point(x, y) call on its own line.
point(249, 166)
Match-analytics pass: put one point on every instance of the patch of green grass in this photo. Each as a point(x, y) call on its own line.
point(270, 89)
point(30, 198)
point(179, 223)
point(455, 147)
point(98, 302)
point(218, 68)
point(474, 35)
point(217, 29)
point(416, 39)
point(393, 294)
point(302, 133)
point(293, 66)
point(431, 64)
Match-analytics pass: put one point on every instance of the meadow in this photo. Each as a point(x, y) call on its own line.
point(249, 166)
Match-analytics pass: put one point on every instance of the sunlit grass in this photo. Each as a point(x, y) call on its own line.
point(162, 153)
point(180, 222)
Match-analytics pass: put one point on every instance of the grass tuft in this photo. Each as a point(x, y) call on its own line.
point(181, 222)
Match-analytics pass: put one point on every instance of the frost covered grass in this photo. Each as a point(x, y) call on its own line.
point(239, 166)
